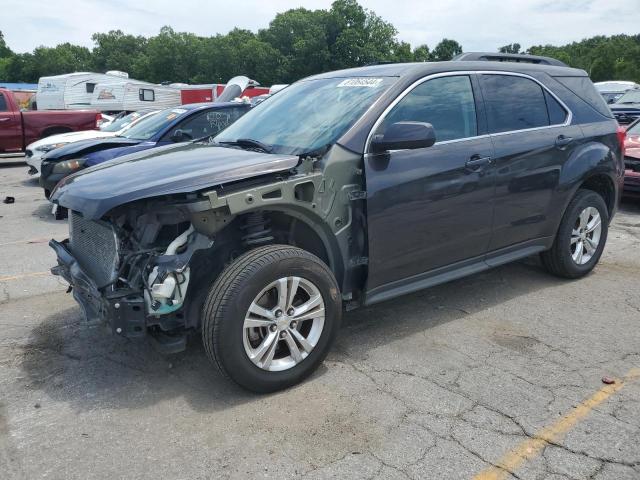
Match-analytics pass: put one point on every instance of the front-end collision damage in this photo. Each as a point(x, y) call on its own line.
point(324, 194)
point(169, 249)
point(167, 284)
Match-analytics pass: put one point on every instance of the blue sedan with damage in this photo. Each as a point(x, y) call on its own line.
point(173, 125)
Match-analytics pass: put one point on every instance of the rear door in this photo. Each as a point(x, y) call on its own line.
point(430, 208)
point(532, 138)
point(10, 127)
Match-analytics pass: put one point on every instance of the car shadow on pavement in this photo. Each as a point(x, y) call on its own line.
point(43, 212)
point(69, 361)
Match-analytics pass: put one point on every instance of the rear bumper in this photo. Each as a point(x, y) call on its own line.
point(123, 311)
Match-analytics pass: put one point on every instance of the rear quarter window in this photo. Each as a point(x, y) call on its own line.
point(584, 88)
point(3, 103)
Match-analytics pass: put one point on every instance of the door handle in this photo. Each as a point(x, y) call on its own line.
point(476, 162)
point(563, 141)
point(4, 119)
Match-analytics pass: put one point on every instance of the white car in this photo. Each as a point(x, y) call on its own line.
point(35, 151)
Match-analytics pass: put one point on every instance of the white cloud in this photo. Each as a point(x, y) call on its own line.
point(477, 25)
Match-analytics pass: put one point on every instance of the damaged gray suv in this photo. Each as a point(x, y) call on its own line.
point(344, 189)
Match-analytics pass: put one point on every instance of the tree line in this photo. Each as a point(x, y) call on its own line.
point(297, 43)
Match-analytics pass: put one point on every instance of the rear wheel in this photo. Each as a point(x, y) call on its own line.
point(581, 237)
point(271, 316)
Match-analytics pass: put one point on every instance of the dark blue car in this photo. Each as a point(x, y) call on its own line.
point(173, 125)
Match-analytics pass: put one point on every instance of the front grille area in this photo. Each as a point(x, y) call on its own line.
point(95, 247)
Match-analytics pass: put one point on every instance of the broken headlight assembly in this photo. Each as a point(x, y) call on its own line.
point(69, 166)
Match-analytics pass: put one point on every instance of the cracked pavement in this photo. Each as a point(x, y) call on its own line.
point(436, 385)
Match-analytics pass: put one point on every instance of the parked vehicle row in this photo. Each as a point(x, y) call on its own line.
point(61, 155)
point(20, 128)
point(173, 125)
point(35, 151)
point(627, 108)
point(611, 91)
point(345, 189)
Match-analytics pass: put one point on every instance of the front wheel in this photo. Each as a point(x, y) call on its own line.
point(581, 237)
point(271, 316)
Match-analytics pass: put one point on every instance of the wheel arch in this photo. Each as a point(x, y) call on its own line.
point(55, 130)
point(289, 225)
point(604, 185)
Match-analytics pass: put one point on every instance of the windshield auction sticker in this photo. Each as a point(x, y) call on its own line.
point(360, 82)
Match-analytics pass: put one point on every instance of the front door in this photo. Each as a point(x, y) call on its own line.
point(10, 127)
point(430, 209)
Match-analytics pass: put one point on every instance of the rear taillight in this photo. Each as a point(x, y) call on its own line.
point(622, 136)
point(99, 120)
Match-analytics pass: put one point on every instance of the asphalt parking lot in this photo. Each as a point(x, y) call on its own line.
point(498, 375)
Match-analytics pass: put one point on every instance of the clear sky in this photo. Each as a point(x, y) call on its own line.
point(476, 24)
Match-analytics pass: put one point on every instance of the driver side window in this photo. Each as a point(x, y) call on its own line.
point(447, 103)
point(207, 123)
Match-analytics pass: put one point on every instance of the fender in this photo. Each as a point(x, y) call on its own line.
point(305, 197)
point(589, 160)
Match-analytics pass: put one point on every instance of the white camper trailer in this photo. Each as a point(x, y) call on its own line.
point(133, 95)
point(72, 90)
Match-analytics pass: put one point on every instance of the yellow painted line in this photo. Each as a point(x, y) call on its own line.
point(24, 275)
point(532, 447)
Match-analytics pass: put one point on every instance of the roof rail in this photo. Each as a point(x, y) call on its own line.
point(508, 57)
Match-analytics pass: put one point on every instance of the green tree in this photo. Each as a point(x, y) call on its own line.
point(358, 36)
point(511, 48)
point(421, 53)
point(300, 36)
point(446, 50)
point(116, 50)
point(170, 57)
point(4, 50)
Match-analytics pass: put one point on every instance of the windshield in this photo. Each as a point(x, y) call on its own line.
point(308, 115)
point(119, 123)
point(632, 96)
point(148, 127)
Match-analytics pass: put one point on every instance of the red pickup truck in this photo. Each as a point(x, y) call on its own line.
point(18, 129)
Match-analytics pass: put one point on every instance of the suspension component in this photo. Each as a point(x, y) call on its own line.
point(256, 230)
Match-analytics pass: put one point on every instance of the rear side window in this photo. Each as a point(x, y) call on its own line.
point(3, 103)
point(584, 88)
point(446, 103)
point(513, 103)
point(90, 87)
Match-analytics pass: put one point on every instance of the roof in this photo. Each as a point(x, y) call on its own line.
point(19, 86)
point(422, 69)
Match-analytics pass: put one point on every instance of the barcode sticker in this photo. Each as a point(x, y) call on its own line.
point(360, 82)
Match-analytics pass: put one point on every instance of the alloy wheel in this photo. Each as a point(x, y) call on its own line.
point(283, 324)
point(585, 236)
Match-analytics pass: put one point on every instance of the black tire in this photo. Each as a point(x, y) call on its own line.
point(558, 260)
point(228, 302)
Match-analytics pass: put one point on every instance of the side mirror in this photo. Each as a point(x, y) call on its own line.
point(180, 136)
point(403, 136)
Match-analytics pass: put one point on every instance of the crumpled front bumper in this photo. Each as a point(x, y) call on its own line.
point(122, 310)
